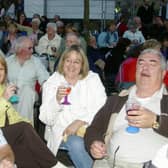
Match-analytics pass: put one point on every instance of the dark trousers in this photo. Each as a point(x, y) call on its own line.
point(30, 151)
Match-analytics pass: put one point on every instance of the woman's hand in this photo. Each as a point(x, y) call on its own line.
point(73, 127)
point(6, 164)
point(61, 92)
point(6, 157)
point(9, 91)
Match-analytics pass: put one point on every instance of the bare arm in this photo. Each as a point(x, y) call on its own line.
point(6, 153)
point(6, 157)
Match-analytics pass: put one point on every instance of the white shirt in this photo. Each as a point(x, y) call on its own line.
point(134, 36)
point(161, 158)
point(28, 73)
point(44, 45)
point(2, 139)
point(142, 146)
point(25, 77)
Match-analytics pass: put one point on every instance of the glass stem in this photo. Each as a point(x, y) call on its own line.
point(66, 99)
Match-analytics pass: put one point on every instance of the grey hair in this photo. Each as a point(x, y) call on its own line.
point(158, 54)
point(59, 23)
point(71, 34)
point(36, 20)
point(19, 43)
point(52, 25)
point(131, 24)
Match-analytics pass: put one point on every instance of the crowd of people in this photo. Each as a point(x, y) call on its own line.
point(49, 60)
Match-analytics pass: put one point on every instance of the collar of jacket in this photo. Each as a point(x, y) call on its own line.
point(125, 92)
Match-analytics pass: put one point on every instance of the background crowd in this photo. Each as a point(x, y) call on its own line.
point(42, 54)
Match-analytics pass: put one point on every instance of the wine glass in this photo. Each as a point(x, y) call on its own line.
point(68, 90)
point(130, 105)
point(53, 49)
point(14, 99)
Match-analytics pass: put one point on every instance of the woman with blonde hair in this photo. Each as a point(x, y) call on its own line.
point(66, 123)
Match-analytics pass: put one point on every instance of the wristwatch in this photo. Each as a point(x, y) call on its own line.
point(156, 124)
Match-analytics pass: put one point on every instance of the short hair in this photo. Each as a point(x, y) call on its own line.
point(72, 28)
point(59, 23)
point(4, 64)
point(110, 23)
point(131, 24)
point(36, 15)
point(13, 25)
point(52, 25)
point(135, 18)
point(151, 43)
point(19, 43)
point(36, 20)
point(85, 65)
point(73, 35)
point(158, 54)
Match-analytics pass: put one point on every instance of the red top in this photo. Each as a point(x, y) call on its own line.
point(121, 29)
point(166, 79)
point(127, 71)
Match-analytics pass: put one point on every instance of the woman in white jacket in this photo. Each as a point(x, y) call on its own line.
point(64, 122)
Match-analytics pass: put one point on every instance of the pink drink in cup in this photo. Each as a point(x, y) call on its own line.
point(66, 102)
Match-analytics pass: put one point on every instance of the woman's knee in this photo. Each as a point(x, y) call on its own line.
point(75, 142)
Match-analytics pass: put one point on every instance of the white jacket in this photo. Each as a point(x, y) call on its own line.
point(44, 45)
point(86, 98)
point(138, 36)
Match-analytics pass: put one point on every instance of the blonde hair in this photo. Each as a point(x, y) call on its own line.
point(85, 65)
point(12, 26)
point(4, 64)
point(69, 28)
point(151, 43)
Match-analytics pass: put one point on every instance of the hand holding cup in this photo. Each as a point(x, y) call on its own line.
point(132, 105)
point(10, 90)
point(62, 92)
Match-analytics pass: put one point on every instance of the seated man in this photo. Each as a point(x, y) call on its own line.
point(107, 138)
point(29, 150)
point(50, 42)
point(24, 70)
